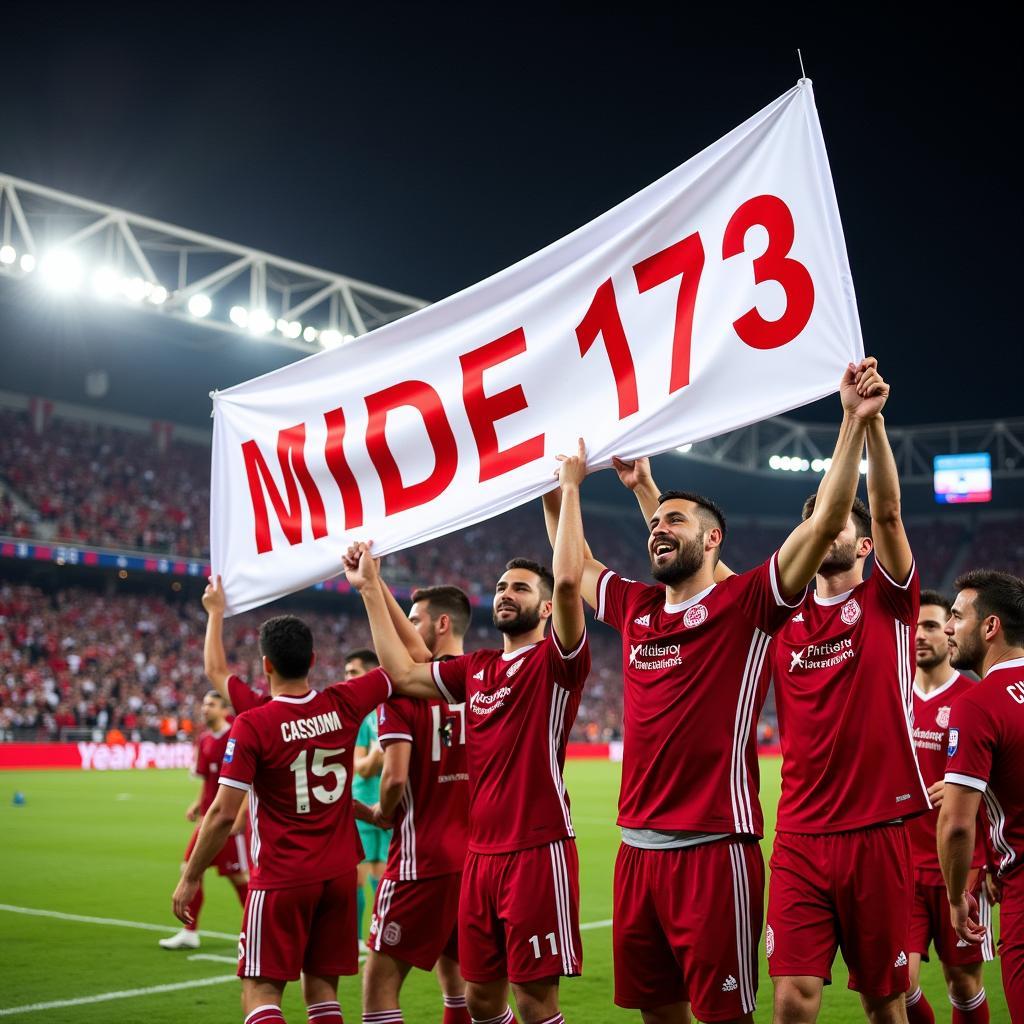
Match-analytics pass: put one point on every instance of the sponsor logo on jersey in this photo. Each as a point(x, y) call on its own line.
point(694, 616)
point(901, 960)
point(729, 985)
point(769, 941)
point(850, 612)
point(644, 620)
point(229, 751)
point(902, 797)
point(487, 703)
point(392, 933)
point(514, 668)
point(311, 727)
point(954, 742)
point(942, 718)
point(479, 675)
point(826, 655)
point(652, 657)
point(799, 617)
point(928, 739)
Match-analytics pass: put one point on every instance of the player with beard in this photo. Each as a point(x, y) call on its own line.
point(689, 877)
point(936, 687)
point(986, 760)
point(519, 902)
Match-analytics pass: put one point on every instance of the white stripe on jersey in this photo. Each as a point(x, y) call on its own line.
point(243, 861)
point(602, 590)
point(906, 681)
point(985, 920)
point(560, 878)
point(739, 784)
point(407, 861)
point(556, 725)
point(255, 933)
point(996, 825)
point(254, 842)
point(741, 913)
point(385, 893)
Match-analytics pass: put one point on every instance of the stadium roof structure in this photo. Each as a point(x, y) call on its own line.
point(76, 244)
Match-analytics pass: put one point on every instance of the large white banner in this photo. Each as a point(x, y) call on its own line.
point(718, 296)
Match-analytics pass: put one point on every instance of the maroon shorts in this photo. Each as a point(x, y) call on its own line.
point(415, 921)
point(1011, 942)
point(930, 923)
point(231, 859)
point(519, 914)
point(686, 927)
point(310, 928)
point(852, 891)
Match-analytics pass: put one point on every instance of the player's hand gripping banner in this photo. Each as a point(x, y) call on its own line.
point(718, 296)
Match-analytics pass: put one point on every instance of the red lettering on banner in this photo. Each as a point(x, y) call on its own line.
point(425, 400)
point(684, 260)
point(291, 456)
point(603, 319)
point(773, 265)
point(334, 453)
point(484, 411)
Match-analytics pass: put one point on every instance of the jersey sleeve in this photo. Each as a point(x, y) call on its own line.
point(393, 725)
point(202, 764)
point(615, 597)
point(241, 695)
point(972, 742)
point(238, 766)
point(363, 694)
point(902, 599)
point(570, 667)
point(450, 677)
point(761, 597)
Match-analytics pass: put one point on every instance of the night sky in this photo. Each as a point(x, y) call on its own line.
point(425, 152)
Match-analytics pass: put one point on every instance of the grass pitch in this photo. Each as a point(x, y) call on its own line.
point(108, 845)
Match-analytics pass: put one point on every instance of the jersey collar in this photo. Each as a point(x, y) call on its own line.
point(838, 599)
point(1016, 663)
point(304, 699)
point(217, 735)
point(512, 655)
point(674, 609)
point(938, 689)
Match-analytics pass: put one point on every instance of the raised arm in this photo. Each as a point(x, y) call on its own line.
point(592, 568)
point(567, 617)
point(892, 548)
point(863, 394)
point(414, 644)
point(215, 660)
point(407, 676)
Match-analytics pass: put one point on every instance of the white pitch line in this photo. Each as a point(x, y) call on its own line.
point(83, 919)
point(127, 993)
point(587, 925)
point(214, 958)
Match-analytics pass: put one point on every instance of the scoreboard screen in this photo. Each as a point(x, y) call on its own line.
point(963, 478)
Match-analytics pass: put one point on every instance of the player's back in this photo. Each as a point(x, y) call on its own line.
point(295, 755)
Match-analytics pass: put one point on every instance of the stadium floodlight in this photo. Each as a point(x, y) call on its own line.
point(106, 282)
point(239, 316)
point(157, 294)
point(260, 322)
point(331, 338)
point(294, 329)
point(7, 255)
point(200, 305)
point(28, 263)
point(61, 270)
point(134, 289)
point(310, 334)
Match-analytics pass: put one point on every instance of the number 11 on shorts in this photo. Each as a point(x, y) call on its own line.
point(535, 942)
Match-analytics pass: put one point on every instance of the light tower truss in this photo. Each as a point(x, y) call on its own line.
point(76, 245)
point(804, 447)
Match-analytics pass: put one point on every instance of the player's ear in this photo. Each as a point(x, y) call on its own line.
point(545, 608)
point(444, 623)
point(864, 547)
point(268, 668)
point(990, 627)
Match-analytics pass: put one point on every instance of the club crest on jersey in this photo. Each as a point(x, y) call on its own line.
point(942, 717)
point(392, 933)
point(514, 668)
point(694, 616)
point(229, 751)
point(954, 742)
point(850, 612)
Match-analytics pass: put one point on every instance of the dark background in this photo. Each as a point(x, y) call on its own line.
point(424, 152)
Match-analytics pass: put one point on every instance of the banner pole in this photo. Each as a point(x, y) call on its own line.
point(799, 57)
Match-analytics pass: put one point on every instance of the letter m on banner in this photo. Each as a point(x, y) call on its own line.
point(291, 456)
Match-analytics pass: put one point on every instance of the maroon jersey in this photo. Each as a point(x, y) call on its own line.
point(242, 696)
point(986, 752)
point(694, 683)
point(843, 669)
point(209, 754)
point(519, 710)
point(931, 739)
point(432, 821)
point(294, 757)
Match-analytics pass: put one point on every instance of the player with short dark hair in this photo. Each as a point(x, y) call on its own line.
point(689, 876)
point(231, 861)
point(519, 902)
point(937, 686)
point(986, 762)
point(293, 756)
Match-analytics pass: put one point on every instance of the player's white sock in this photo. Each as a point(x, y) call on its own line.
point(557, 1019)
point(383, 1017)
point(455, 1002)
point(969, 1004)
point(266, 1014)
point(502, 1018)
point(184, 939)
point(327, 1012)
